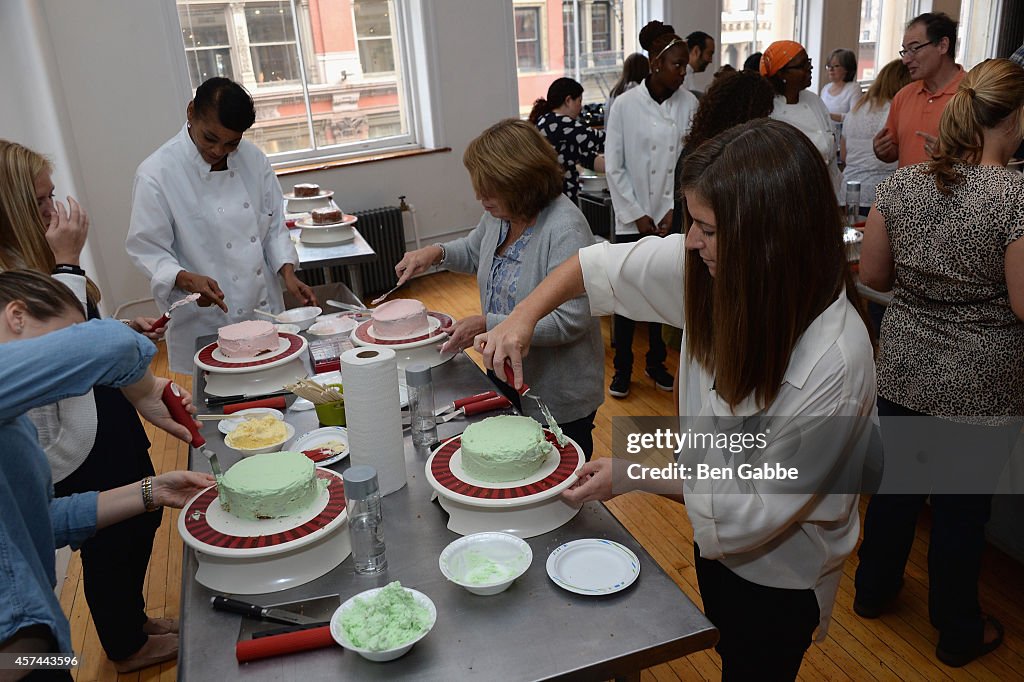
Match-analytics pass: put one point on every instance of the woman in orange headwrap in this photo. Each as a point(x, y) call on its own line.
point(788, 68)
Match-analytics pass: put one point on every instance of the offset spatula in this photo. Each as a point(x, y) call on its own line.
point(172, 399)
point(510, 377)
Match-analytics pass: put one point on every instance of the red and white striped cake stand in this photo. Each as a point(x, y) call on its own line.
point(526, 508)
point(242, 556)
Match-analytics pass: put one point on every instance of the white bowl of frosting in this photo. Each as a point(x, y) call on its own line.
point(485, 563)
point(383, 623)
point(260, 435)
point(302, 318)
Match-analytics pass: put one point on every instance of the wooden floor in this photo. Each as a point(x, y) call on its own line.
point(898, 646)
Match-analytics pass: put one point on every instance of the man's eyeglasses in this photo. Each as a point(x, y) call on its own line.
point(914, 49)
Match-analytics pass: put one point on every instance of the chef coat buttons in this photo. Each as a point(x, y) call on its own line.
point(252, 239)
point(228, 245)
point(220, 209)
point(240, 311)
point(263, 303)
point(234, 278)
point(231, 174)
point(653, 171)
point(259, 272)
point(654, 147)
point(245, 205)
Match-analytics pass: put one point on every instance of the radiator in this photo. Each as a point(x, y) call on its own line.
point(384, 231)
point(597, 209)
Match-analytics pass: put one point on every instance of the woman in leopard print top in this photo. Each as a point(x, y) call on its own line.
point(946, 236)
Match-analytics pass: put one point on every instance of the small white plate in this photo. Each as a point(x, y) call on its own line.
point(593, 566)
point(226, 426)
point(318, 438)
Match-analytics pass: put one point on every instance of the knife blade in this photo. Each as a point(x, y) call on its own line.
point(256, 611)
point(218, 400)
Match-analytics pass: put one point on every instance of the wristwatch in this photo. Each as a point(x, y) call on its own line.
point(68, 269)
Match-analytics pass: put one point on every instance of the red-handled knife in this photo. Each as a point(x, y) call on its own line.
point(478, 407)
point(275, 645)
point(172, 399)
point(462, 402)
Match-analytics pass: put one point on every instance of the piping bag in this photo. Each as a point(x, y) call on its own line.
point(524, 392)
point(172, 399)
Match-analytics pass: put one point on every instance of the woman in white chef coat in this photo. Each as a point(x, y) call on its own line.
point(788, 68)
point(773, 329)
point(642, 143)
point(208, 218)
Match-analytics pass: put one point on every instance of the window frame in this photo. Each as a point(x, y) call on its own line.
point(412, 84)
point(538, 11)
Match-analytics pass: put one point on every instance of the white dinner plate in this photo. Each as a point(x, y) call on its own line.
point(324, 194)
point(226, 426)
point(593, 566)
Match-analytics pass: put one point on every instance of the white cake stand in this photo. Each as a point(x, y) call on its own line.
point(239, 556)
point(526, 508)
point(266, 373)
point(422, 348)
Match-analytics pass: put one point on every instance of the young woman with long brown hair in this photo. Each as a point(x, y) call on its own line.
point(773, 329)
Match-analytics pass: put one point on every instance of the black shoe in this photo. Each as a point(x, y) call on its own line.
point(873, 609)
point(619, 388)
point(662, 379)
point(957, 659)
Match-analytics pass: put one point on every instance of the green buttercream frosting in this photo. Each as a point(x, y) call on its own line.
point(504, 448)
point(387, 620)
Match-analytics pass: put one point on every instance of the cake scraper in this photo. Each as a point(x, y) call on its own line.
point(525, 393)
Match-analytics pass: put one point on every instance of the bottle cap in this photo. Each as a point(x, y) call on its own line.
point(417, 375)
point(853, 184)
point(360, 481)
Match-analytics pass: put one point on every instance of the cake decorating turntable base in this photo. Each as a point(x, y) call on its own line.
point(424, 348)
point(526, 508)
point(240, 556)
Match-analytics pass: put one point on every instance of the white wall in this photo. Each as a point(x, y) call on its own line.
point(687, 16)
point(117, 74)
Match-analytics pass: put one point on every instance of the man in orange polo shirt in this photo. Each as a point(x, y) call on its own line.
point(909, 133)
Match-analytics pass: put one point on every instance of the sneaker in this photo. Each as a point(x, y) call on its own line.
point(619, 388)
point(662, 379)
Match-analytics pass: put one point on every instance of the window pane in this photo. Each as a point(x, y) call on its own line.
point(352, 61)
point(595, 60)
point(269, 22)
point(749, 27)
point(881, 34)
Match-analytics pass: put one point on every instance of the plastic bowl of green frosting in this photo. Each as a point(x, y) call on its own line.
point(382, 624)
point(485, 563)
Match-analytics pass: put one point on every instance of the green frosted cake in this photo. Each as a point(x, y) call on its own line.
point(269, 486)
point(506, 448)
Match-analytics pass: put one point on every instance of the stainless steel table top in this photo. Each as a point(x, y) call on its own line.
point(349, 253)
point(533, 630)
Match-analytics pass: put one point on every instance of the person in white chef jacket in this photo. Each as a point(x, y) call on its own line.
point(208, 218)
point(642, 143)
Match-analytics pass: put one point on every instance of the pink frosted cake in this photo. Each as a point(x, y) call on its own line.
point(247, 339)
point(400, 318)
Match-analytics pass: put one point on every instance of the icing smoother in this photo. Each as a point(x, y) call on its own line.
point(504, 448)
point(387, 620)
point(400, 318)
point(269, 486)
point(247, 339)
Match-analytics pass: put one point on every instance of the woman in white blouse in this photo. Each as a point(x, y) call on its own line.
point(788, 68)
point(772, 329)
point(208, 218)
point(842, 89)
point(642, 143)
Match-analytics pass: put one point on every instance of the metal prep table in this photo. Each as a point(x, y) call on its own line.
point(350, 254)
point(534, 630)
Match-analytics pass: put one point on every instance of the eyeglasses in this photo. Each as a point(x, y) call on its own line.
point(833, 67)
point(913, 50)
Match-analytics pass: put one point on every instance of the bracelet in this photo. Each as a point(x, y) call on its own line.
point(444, 253)
point(147, 494)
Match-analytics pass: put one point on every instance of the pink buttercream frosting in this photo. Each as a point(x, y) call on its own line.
point(247, 339)
point(400, 318)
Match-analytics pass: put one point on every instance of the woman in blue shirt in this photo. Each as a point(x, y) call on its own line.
point(38, 367)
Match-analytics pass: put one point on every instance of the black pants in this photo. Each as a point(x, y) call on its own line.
point(764, 631)
point(954, 554)
point(623, 335)
point(114, 560)
point(580, 430)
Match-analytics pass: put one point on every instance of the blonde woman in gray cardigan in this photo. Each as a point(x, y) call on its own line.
point(528, 229)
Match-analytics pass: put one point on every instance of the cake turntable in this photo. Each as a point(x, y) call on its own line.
point(526, 508)
point(422, 348)
point(267, 373)
point(239, 556)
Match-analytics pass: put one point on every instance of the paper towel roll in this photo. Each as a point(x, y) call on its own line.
point(373, 413)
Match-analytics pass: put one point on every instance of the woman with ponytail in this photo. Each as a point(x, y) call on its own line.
point(557, 118)
point(948, 237)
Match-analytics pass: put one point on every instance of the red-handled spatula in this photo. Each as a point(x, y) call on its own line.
point(172, 399)
point(510, 378)
point(166, 317)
